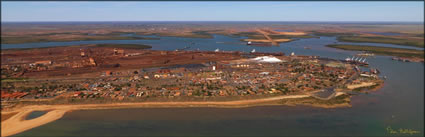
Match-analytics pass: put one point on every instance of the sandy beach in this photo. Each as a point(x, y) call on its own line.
point(363, 84)
point(17, 123)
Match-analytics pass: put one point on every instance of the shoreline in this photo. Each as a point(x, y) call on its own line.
point(17, 123)
point(385, 51)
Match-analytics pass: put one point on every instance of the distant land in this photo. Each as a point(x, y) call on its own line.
point(236, 22)
point(58, 67)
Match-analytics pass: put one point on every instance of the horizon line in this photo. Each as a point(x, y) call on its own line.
point(217, 21)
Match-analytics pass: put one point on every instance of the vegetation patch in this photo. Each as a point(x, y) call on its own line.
point(316, 33)
point(206, 34)
point(250, 35)
point(381, 50)
point(54, 38)
point(13, 79)
point(18, 49)
point(129, 46)
point(194, 34)
point(386, 40)
point(291, 36)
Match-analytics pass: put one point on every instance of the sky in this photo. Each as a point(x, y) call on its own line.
point(213, 11)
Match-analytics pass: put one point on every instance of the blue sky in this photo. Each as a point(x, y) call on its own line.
point(212, 11)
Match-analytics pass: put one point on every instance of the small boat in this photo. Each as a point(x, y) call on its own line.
point(348, 59)
point(253, 51)
point(248, 43)
point(216, 50)
point(186, 47)
point(375, 71)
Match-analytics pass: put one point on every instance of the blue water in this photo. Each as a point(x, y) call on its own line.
point(218, 41)
point(398, 104)
point(35, 114)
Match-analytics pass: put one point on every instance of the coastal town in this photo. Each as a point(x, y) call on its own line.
point(165, 68)
point(237, 76)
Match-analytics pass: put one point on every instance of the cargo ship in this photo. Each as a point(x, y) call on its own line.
point(365, 54)
point(356, 60)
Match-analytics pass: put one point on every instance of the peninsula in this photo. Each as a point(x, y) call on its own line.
point(62, 79)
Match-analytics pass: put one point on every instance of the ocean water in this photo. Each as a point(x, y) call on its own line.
point(399, 104)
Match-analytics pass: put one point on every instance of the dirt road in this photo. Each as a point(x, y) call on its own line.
point(266, 35)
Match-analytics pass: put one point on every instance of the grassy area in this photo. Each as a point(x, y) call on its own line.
point(257, 36)
point(194, 34)
point(132, 46)
point(291, 36)
point(185, 35)
point(246, 33)
point(387, 40)
point(120, 38)
point(381, 50)
point(332, 34)
point(250, 35)
point(203, 34)
point(17, 40)
point(206, 34)
point(17, 49)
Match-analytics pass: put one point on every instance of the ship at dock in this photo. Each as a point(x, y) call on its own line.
point(401, 59)
point(185, 48)
point(356, 60)
point(366, 54)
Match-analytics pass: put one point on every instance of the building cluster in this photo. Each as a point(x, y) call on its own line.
point(289, 75)
point(18, 70)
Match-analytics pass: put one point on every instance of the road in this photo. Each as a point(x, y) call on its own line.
point(332, 89)
point(268, 37)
